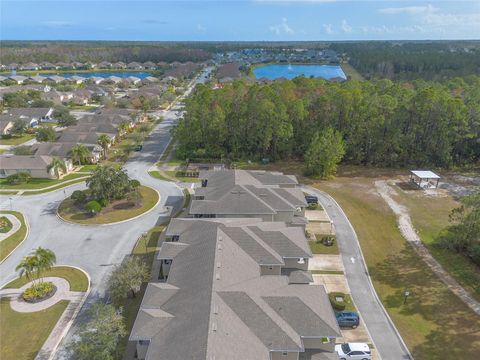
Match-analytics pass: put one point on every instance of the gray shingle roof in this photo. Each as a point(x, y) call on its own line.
point(299, 316)
point(272, 336)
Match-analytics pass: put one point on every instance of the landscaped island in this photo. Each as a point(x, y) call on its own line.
point(111, 197)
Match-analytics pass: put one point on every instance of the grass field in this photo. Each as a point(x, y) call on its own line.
point(70, 212)
point(16, 140)
point(38, 183)
point(77, 279)
point(429, 215)
point(10, 243)
point(351, 72)
point(23, 334)
point(434, 323)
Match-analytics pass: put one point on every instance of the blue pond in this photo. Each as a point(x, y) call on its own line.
point(276, 71)
point(120, 74)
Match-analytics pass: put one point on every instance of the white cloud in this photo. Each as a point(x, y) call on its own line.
point(392, 29)
point(328, 28)
point(282, 28)
point(201, 28)
point(412, 10)
point(346, 27)
point(57, 23)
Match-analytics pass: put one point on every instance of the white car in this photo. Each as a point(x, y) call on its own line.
point(359, 351)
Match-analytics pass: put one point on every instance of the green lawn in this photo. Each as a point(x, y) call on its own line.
point(327, 272)
point(167, 150)
point(187, 179)
point(156, 174)
point(23, 334)
point(318, 247)
point(429, 216)
point(88, 168)
point(38, 183)
point(10, 243)
point(16, 140)
point(434, 323)
point(77, 279)
point(70, 212)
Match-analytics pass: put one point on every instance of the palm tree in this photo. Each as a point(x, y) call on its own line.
point(45, 260)
point(57, 165)
point(104, 141)
point(123, 128)
point(28, 266)
point(80, 153)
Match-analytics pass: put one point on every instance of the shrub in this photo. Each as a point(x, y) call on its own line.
point(103, 202)
point(38, 291)
point(337, 305)
point(78, 196)
point(134, 184)
point(93, 207)
point(19, 178)
point(5, 224)
point(312, 206)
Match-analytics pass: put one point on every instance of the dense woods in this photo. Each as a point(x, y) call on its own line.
point(53, 51)
point(382, 123)
point(434, 60)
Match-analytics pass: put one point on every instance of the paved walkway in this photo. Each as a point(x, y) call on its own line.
point(384, 335)
point(15, 226)
point(410, 234)
point(57, 185)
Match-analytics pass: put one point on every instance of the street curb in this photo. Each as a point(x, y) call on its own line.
point(75, 313)
point(369, 279)
point(21, 242)
point(117, 222)
point(52, 187)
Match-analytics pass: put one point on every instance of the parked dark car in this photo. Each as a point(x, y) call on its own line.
point(347, 319)
point(138, 148)
point(311, 199)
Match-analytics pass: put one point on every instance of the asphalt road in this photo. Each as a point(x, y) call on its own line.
point(95, 249)
point(386, 339)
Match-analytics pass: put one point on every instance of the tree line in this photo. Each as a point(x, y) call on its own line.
point(435, 60)
point(381, 123)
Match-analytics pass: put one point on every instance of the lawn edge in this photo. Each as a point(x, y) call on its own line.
point(21, 242)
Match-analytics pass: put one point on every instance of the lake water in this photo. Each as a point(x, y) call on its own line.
point(104, 74)
point(276, 71)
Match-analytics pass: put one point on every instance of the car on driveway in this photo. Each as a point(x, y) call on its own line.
point(358, 351)
point(311, 199)
point(347, 319)
point(138, 147)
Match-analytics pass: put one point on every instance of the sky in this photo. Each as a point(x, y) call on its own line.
point(239, 20)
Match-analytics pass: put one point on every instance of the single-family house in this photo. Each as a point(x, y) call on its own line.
point(48, 66)
point(95, 79)
point(55, 79)
point(65, 66)
point(134, 66)
point(119, 65)
point(35, 165)
point(37, 79)
point(19, 79)
point(33, 116)
point(249, 286)
point(6, 123)
point(113, 79)
point(150, 80)
point(76, 79)
point(105, 65)
point(134, 80)
point(62, 150)
point(149, 65)
point(29, 66)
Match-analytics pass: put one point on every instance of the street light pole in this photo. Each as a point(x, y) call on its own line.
point(406, 295)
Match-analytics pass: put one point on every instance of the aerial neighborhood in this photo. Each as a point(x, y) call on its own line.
point(241, 180)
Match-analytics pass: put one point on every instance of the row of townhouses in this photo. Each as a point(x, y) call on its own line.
point(231, 281)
